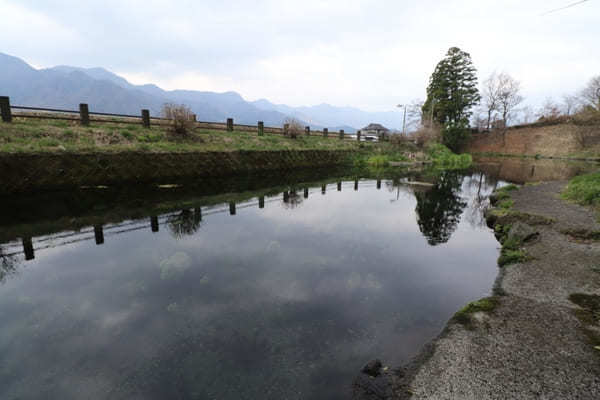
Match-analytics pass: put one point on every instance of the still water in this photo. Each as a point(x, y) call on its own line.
point(280, 292)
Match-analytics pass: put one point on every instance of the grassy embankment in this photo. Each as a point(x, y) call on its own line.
point(584, 190)
point(48, 136)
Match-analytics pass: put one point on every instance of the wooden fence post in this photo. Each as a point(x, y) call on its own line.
point(261, 202)
point(99, 234)
point(286, 196)
point(229, 124)
point(261, 128)
point(28, 248)
point(341, 134)
point(325, 132)
point(146, 118)
point(232, 208)
point(378, 184)
point(358, 136)
point(286, 129)
point(5, 109)
point(306, 193)
point(84, 114)
point(339, 186)
point(323, 188)
point(307, 131)
point(356, 184)
point(154, 223)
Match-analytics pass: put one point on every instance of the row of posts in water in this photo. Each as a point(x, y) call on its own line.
point(29, 250)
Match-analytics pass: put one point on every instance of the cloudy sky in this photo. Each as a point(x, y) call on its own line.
point(369, 54)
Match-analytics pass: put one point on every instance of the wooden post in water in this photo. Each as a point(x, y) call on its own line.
point(146, 118)
point(84, 114)
point(306, 193)
point(342, 134)
point(261, 202)
point(197, 215)
point(154, 223)
point(325, 132)
point(98, 234)
point(339, 186)
point(307, 131)
point(356, 184)
point(28, 248)
point(232, 208)
point(261, 128)
point(323, 188)
point(229, 124)
point(378, 184)
point(358, 136)
point(286, 196)
point(5, 109)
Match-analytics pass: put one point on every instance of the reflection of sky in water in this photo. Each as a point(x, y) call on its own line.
point(273, 303)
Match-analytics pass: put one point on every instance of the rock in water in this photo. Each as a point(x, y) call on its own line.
point(373, 368)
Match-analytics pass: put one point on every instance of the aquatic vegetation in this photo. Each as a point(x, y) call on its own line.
point(464, 316)
point(442, 156)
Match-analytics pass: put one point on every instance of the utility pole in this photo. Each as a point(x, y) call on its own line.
point(403, 119)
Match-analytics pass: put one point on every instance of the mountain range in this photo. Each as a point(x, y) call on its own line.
point(66, 86)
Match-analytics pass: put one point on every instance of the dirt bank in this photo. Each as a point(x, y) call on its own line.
point(565, 140)
point(535, 337)
point(34, 172)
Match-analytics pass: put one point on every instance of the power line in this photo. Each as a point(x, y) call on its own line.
point(564, 8)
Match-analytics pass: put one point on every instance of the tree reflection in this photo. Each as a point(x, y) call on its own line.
point(292, 199)
point(8, 266)
point(439, 209)
point(187, 222)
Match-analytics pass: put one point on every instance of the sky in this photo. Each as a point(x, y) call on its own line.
point(367, 54)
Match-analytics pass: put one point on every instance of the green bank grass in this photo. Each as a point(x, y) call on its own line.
point(585, 190)
point(47, 136)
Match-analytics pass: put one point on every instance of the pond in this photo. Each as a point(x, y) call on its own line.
point(271, 288)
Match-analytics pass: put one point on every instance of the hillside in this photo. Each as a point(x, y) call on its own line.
point(66, 86)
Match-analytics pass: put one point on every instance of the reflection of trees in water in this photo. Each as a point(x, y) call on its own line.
point(187, 222)
point(8, 266)
point(480, 186)
point(439, 209)
point(292, 199)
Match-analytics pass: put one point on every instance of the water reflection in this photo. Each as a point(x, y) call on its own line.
point(266, 292)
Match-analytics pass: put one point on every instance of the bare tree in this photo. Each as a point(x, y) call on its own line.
point(550, 109)
point(181, 119)
point(570, 104)
point(508, 96)
point(590, 95)
point(490, 97)
point(293, 127)
point(527, 115)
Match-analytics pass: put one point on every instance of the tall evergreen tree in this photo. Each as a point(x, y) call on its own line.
point(451, 94)
point(452, 89)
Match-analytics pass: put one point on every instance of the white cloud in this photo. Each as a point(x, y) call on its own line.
point(371, 54)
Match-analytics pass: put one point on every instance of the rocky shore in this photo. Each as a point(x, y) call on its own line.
point(538, 335)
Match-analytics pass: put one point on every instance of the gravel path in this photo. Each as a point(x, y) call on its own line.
point(532, 345)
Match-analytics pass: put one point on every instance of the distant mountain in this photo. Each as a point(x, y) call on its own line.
point(66, 86)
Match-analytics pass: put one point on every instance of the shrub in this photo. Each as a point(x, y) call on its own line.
point(426, 135)
point(454, 136)
point(295, 128)
point(181, 119)
point(584, 189)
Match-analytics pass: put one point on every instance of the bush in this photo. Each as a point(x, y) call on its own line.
point(584, 189)
point(454, 136)
point(426, 135)
point(294, 127)
point(181, 119)
point(442, 156)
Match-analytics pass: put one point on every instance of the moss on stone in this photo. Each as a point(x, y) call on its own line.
point(464, 316)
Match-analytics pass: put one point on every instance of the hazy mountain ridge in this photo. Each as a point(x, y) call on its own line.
point(66, 86)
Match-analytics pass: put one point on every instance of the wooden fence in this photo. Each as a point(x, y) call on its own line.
point(84, 116)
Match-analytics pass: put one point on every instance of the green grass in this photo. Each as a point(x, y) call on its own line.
point(442, 156)
point(506, 204)
point(584, 190)
point(46, 136)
